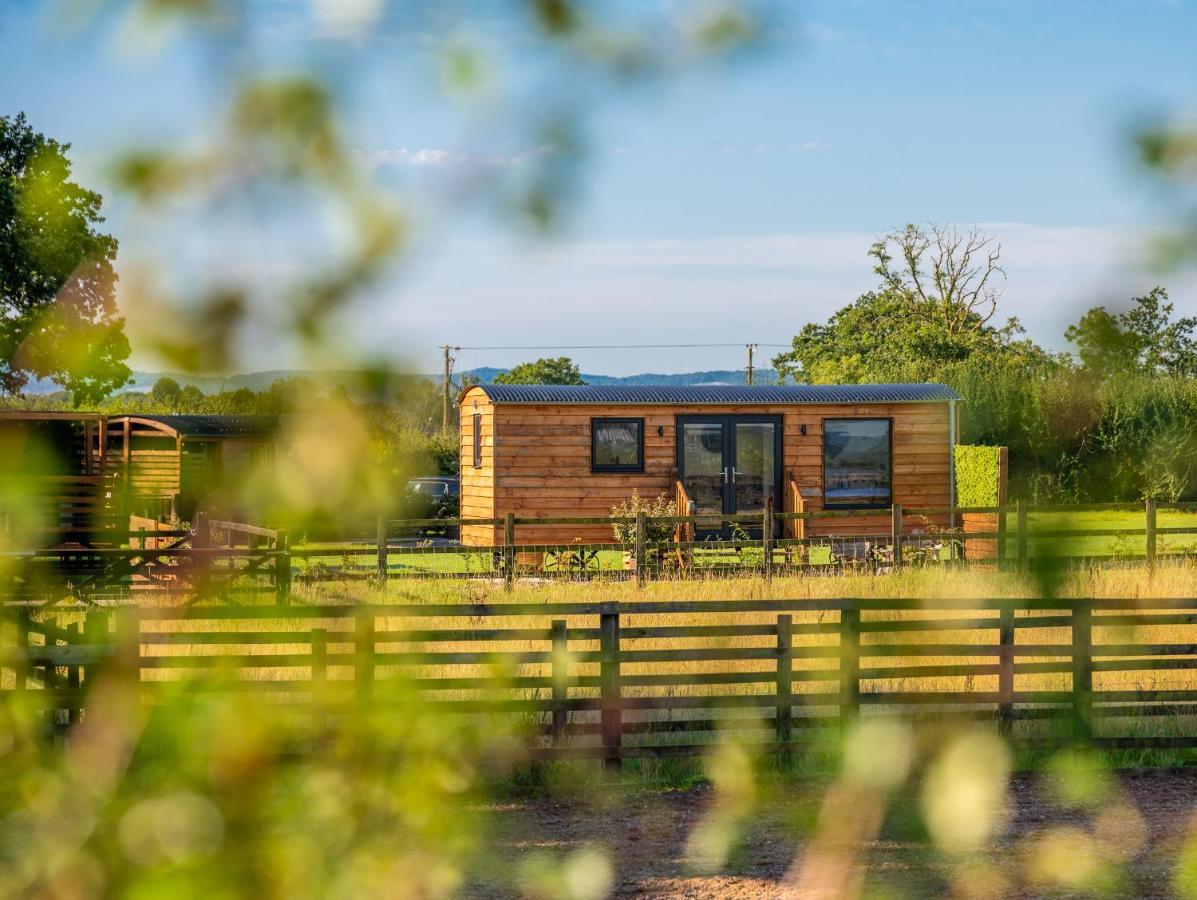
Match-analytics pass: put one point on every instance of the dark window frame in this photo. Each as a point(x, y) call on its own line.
point(600, 469)
point(477, 437)
point(889, 420)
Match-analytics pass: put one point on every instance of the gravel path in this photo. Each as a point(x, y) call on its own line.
point(645, 835)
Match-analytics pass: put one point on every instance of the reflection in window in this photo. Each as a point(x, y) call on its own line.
point(617, 445)
point(857, 463)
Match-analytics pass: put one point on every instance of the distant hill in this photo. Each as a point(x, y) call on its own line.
point(257, 381)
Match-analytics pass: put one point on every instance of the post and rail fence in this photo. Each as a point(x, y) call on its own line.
point(612, 681)
point(216, 557)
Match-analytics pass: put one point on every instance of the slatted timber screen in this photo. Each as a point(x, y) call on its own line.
point(610, 681)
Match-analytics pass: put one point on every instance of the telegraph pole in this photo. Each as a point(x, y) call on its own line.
point(750, 347)
point(448, 384)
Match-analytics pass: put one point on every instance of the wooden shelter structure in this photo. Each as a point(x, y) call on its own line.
point(160, 466)
point(556, 451)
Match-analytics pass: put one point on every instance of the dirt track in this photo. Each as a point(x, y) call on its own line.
point(645, 835)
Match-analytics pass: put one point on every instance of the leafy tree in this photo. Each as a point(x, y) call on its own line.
point(166, 392)
point(938, 295)
point(556, 370)
point(58, 316)
point(1144, 340)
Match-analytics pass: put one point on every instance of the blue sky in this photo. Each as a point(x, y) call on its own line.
point(733, 204)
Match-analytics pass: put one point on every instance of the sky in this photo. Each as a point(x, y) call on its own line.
point(727, 205)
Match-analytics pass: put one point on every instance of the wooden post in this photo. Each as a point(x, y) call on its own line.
point(381, 536)
point(767, 541)
point(1000, 551)
point(74, 679)
point(22, 669)
point(1006, 638)
point(509, 550)
point(282, 569)
point(641, 557)
point(1082, 670)
point(560, 676)
point(849, 666)
point(1150, 532)
point(201, 542)
point(128, 643)
point(363, 666)
point(319, 678)
point(896, 534)
point(1023, 556)
point(612, 725)
point(783, 717)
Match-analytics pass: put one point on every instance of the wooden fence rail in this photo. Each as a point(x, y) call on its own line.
point(616, 680)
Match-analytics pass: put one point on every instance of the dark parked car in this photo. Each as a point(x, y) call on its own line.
point(433, 497)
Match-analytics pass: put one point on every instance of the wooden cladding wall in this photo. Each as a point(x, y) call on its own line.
point(478, 484)
point(536, 463)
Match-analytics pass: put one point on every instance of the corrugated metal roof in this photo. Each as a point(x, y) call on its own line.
point(719, 394)
point(217, 426)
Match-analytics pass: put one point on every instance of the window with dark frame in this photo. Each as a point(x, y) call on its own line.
point(616, 445)
point(477, 440)
point(857, 463)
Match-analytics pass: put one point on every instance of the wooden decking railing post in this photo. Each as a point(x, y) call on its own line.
point(1022, 534)
point(1006, 638)
point(896, 534)
point(380, 537)
point(508, 551)
point(641, 557)
point(319, 679)
point(609, 689)
point(783, 717)
point(849, 666)
point(1082, 670)
point(363, 662)
point(560, 677)
point(1149, 531)
point(282, 569)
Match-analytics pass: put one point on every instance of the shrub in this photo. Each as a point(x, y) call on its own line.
point(655, 532)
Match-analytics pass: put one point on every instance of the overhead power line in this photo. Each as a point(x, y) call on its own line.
point(620, 346)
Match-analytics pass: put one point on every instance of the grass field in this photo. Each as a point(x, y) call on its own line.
point(454, 561)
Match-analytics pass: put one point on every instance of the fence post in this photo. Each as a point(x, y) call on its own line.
point(1000, 555)
point(767, 540)
point(1022, 534)
point(128, 642)
point(508, 550)
point(319, 678)
point(1082, 670)
point(612, 725)
point(380, 537)
point(560, 676)
point(22, 669)
point(74, 703)
point(785, 678)
point(849, 665)
point(1006, 668)
point(1150, 532)
point(363, 663)
point(201, 542)
point(896, 534)
point(95, 629)
point(282, 569)
point(641, 557)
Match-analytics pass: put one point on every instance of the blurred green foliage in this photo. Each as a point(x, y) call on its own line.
point(977, 475)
